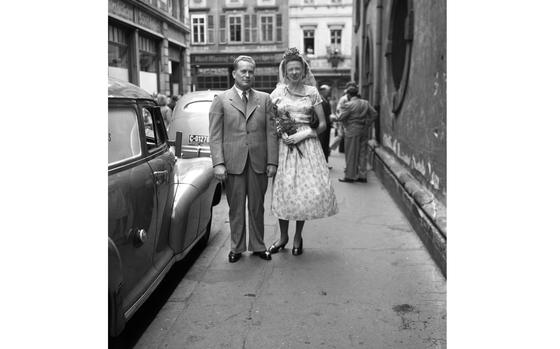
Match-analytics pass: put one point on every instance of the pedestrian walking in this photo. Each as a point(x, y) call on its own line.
point(357, 115)
point(325, 136)
point(302, 189)
point(244, 151)
point(166, 112)
point(172, 102)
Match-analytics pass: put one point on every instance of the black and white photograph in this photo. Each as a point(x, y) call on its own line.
point(275, 174)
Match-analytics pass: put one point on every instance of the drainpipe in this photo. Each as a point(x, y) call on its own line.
point(378, 49)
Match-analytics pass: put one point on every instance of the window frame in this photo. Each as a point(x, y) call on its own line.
point(312, 30)
point(134, 157)
point(229, 25)
point(272, 17)
point(204, 29)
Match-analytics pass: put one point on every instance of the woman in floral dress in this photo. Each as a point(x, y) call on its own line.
point(302, 189)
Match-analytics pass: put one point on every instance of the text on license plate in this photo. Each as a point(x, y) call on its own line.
point(198, 139)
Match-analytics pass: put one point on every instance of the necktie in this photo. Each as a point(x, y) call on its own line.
point(245, 100)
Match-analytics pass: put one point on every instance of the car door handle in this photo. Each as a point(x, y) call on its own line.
point(161, 177)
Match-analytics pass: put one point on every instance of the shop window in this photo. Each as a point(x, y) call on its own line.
point(309, 41)
point(267, 28)
point(148, 54)
point(235, 28)
point(398, 50)
point(118, 47)
point(198, 29)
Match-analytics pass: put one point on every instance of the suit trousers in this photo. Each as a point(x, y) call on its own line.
point(250, 187)
point(356, 156)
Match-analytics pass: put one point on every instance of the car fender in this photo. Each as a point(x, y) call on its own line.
point(116, 315)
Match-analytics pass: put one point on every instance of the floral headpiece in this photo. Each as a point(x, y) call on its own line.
point(291, 52)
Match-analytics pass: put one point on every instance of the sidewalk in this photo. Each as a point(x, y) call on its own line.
point(364, 281)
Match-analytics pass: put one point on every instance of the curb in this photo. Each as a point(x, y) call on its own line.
point(426, 214)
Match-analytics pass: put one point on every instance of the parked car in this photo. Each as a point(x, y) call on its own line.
point(160, 203)
point(190, 116)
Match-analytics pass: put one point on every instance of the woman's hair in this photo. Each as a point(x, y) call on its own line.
point(292, 54)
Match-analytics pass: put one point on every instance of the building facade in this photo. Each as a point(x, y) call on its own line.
point(322, 30)
point(148, 44)
point(225, 29)
point(399, 59)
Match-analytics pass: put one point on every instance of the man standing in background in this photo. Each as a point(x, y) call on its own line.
point(325, 136)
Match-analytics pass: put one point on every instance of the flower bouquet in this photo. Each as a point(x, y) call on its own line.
point(285, 125)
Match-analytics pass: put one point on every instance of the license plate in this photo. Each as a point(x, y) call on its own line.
point(198, 139)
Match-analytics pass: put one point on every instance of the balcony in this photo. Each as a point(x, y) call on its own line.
point(334, 55)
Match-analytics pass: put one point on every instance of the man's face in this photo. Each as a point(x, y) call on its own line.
point(244, 75)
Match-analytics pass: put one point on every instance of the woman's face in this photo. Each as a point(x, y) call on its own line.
point(294, 70)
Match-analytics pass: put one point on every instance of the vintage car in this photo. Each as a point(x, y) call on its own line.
point(190, 116)
point(160, 200)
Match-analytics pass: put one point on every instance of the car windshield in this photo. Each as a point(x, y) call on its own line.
point(198, 106)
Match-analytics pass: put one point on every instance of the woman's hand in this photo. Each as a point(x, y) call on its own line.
point(299, 136)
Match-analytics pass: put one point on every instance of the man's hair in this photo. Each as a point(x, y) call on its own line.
point(352, 91)
point(351, 83)
point(244, 58)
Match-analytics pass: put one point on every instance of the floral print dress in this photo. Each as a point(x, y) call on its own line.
point(302, 188)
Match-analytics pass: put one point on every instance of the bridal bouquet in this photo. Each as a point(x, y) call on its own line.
point(285, 124)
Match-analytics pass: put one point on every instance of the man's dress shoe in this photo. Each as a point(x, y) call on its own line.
point(234, 257)
point(264, 255)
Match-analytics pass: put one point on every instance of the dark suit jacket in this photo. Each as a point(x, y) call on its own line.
point(233, 136)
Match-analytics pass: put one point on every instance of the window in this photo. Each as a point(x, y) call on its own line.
point(308, 2)
point(336, 1)
point(266, 78)
point(198, 3)
point(212, 78)
point(234, 2)
point(124, 139)
point(148, 55)
point(266, 2)
point(235, 28)
point(118, 47)
point(174, 10)
point(152, 128)
point(267, 28)
point(336, 35)
point(198, 29)
point(309, 41)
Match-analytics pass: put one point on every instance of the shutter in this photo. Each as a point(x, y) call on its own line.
point(210, 29)
point(278, 27)
point(254, 27)
point(222, 29)
point(247, 27)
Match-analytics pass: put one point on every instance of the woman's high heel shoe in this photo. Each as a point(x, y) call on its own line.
point(277, 246)
point(296, 251)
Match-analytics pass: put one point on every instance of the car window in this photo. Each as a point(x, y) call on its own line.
point(198, 106)
point(154, 133)
point(124, 138)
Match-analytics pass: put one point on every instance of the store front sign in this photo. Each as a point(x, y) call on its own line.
point(228, 59)
point(121, 9)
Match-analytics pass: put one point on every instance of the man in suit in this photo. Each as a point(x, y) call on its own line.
point(244, 151)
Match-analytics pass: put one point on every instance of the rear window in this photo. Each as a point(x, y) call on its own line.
point(198, 106)
point(124, 138)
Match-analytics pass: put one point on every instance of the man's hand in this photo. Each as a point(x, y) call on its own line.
point(270, 170)
point(220, 173)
